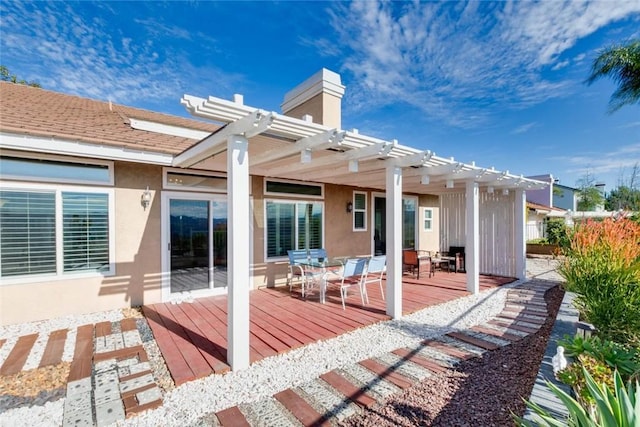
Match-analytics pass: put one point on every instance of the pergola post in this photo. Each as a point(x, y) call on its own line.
point(520, 249)
point(394, 240)
point(238, 210)
point(472, 245)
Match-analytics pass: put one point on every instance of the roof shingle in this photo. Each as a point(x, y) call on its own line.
point(35, 111)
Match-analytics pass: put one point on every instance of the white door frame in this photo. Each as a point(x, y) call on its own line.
point(165, 236)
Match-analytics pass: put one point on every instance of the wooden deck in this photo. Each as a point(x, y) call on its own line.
point(193, 336)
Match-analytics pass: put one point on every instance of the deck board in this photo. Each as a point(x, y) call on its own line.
point(193, 336)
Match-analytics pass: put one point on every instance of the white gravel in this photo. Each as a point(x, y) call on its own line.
point(189, 402)
point(67, 322)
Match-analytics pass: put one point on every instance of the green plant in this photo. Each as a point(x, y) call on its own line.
point(557, 232)
point(539, 241)
point(602, 266)
point(613, 406)
point(615, 356)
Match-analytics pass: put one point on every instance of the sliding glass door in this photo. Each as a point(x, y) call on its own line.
point(197, 244)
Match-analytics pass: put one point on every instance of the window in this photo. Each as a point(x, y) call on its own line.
point(359, 211)
point(85, 231)
point(55, 229)
point(293, 189)
point(181, 180)
point(428, 219)
point(409, 222)
point(33, 221)
point(54, 170)
point(27, 233)
point(293, 225)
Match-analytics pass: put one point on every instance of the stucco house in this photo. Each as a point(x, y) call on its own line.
point(554, 194)
point(105, 206)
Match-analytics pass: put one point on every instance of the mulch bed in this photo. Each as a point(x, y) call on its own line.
point(479, 392)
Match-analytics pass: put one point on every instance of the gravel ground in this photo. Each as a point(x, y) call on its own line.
point(185, 404)
point(479, 392)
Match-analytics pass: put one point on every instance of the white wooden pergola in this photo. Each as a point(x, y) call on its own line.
point(286, 147)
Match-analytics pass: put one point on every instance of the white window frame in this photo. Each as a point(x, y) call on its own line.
point(363, 211)
point(424, 219)
point(60, 274)
point(168, 186)
point(290, 181)
point(295, 202)
point(61, 159)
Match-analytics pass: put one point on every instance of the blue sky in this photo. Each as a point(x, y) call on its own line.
point(501, 84)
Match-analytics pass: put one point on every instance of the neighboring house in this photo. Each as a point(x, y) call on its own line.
point(565, 197)
point(554, 195)
point(537, 216)
point(104, 206)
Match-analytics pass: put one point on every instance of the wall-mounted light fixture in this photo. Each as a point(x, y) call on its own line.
point(145, 199)
point(505, 191)
point(490, 189)
point(349, 207)
point(449, 183)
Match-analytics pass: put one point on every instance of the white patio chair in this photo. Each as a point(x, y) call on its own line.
point(351, 274)
point(374, 273)
point(296, 271)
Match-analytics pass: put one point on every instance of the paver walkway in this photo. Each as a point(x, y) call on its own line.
point(109, 378)
point(343, 392)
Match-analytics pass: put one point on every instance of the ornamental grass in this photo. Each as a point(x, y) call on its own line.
point(602, 266)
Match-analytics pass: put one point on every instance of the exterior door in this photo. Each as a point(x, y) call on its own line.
point(196, 245)
point(409, 230)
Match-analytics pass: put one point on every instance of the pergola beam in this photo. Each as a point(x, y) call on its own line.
point(253, 124)
point(328, 139)
point(433, 170)
point(416, 159)
point(372, 151)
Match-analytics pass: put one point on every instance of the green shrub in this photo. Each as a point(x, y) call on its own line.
point(613, 406)
point(614, 355)
point(602, 266)
point(558, 232)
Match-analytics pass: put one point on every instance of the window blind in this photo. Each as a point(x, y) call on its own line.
point(27, 233)
point(85, 231)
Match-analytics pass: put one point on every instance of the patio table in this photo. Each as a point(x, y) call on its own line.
point(325, 266)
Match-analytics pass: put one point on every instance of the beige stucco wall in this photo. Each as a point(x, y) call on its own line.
point(137, 258)
point(429, 240)
point(137, 278)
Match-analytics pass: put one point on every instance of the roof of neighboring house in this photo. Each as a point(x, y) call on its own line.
point(39, 112)
point(566, 187)
point(538, 207)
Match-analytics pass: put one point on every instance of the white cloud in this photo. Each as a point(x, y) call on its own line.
point(86, 56)
point(457, 61)
point(560, 65)
point(606, 162)
point(524, 128)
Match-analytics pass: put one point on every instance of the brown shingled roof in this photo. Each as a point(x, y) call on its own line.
point(34, 111)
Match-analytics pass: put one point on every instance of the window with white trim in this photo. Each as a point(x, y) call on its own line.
point(292, 225)
point(32, 221)
point(51, 229)
point(359, 211)
point(428, 219)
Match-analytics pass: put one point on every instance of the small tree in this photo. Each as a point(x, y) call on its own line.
point(6, 76)
point(623, 197)
point(589, 197)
